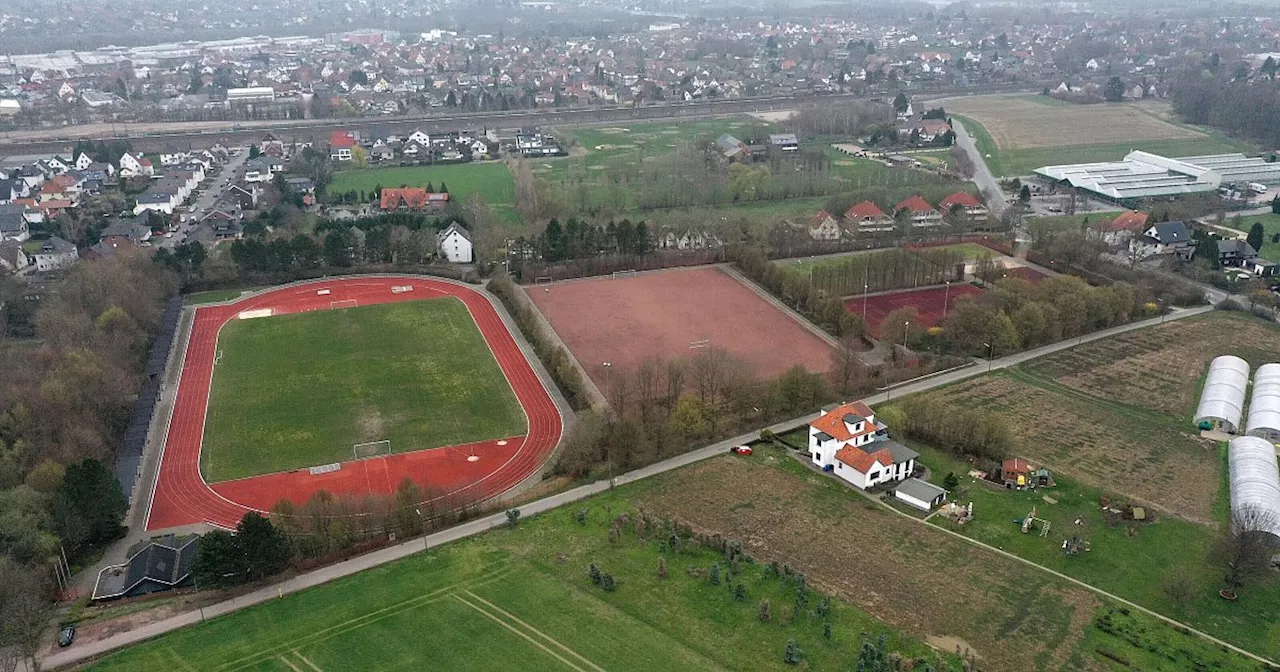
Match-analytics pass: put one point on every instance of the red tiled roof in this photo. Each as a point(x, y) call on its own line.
point(914, 204)
point(832, 424)
point(1128, 221)
point(862, 461)
point(821, 217)
point(414, 198)
point(864, 210)
point(963, 199)
point(1015, 465)
point(342, 139)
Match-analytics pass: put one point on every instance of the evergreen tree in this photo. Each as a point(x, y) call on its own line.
point(266, 549)
point(594, 573)
point(793, 653)
point(740, 593)
point(715, 574)
point(607, 582)
point(1257, 234)
point(93, 493)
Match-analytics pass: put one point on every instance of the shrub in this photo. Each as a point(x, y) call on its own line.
point(513, 517)
point(662, 568)
point(792, 654)
point(765, 611)
point(607, 582)
point(581, 516)
point(594, 573)
point(739, 593)
point(715, 574)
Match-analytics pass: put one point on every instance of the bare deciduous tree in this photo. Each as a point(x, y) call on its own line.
point(1245, 548)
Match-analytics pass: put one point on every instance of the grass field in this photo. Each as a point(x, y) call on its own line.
point(299, 390)
point(492, 180)
point(522, 599)
point(1022, 133)
point(212, 296)
point(1271, 224)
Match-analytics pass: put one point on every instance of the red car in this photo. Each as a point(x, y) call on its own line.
point(741, 450)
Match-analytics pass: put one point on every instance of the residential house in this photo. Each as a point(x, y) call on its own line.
point(455, 244)
point(135, 166)
point(690, 239)
point(867, 217)
point(227, 230)
point(919, 212)
point(920, 494)
point(1015, 472)
point(271, 146)
point(154, 565)
point(1235, 252)
point(14, 224)
point(244, 196)
point(12, 189)
point(258, 170)
point(1165, 238)
point(824, 227)
point(411, 198)
point(13, 258)
point(381, 152)
point(732, 149)
point(1122, 229)
point(847, 441)
point(127, 234)
point(341, 144)
point(172, 157)
point(55, 254)
point(1262, 268)
point(965, 203)
point(926, 130)
point(83, 161)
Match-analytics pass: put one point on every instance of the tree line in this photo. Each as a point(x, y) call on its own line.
point(577, 239)
point(65, 400)
point(1245, 108)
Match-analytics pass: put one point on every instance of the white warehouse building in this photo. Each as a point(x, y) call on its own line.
point(1145, 175)
point(1255, 480)
point(1222, 400)
point(1264, 404)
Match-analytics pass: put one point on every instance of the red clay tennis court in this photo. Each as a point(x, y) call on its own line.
point(1025, 273)
point(669, 315)
point(468, 473)
point(929, 302)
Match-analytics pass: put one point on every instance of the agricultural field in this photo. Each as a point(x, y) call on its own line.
point(1138, 561)
point(522, 599)
point(966, 596)
point(492, 180)
point(602, 148)
point(669, 315)
point(300, 390)
point(1271, 226)
point(1134, 453)
point(1022, 132)
point(1159, 369)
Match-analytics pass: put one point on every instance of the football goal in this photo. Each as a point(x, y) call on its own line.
point(372, 449)
point(401, 289)
point(542, 280)
point(624, 274)
point(345, 303)
point(325, 469)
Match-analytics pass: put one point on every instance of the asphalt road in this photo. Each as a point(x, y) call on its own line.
point(210, 191)
point(82, 651)
point(982, 176)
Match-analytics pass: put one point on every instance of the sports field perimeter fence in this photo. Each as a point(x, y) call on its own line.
point(129, 457)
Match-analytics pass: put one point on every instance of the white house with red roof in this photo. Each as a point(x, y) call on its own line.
point(867, 217)
point(135, 166)
point(922, 214)
point(824, 227)
point(847, 441)
point(963, 202)
point(340, 145)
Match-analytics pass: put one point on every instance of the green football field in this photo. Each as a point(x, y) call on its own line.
point(522, 600)
point(301, 390)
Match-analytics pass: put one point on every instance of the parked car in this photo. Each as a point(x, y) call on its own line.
point(741, 450)
point(66, 636)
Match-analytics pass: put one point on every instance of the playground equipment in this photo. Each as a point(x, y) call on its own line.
point(1029, 523)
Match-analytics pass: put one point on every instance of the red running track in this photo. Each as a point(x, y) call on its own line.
point(183, 497)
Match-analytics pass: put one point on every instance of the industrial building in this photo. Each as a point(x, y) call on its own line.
point(251, 94)
point(1141, 175)
point(1255, 480)
point(1222, 400)
point(1264, 405)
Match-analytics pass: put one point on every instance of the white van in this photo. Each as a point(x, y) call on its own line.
point(1257, 188)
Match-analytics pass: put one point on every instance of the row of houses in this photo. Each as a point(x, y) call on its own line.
point(867, 217)
point(417, 146)
point(1135, 234)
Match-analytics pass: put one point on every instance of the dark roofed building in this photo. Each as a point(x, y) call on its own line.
point(158, 564)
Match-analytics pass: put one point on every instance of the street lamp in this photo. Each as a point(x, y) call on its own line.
point(991, 354)
point(946, 297)
point(906, 329)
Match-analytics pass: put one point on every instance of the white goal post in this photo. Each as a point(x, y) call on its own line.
point(371, 449)
point(345, 303)
point(694, 345)
point(624, 274)
point(542, 280)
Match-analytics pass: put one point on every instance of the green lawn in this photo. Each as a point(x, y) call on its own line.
point(1019, 162)
point(32, 246)
point(968, 251)
point(1271, 224)
point(522, 599)
point(492, 180)
point(300, 390)
point(212, 296)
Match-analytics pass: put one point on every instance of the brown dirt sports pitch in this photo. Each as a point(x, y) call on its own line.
point(627, 320)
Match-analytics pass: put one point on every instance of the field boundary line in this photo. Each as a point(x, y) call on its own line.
point(535, 631)
point(291, 665)
point(512, 628)
point(371, 617)
point(177, 657)
point(307, 661)
point(772, 300)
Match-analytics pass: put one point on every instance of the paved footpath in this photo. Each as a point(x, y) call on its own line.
point(81, 652)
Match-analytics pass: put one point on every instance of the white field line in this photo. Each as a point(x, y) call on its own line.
point(535, 631)
point(512, 628)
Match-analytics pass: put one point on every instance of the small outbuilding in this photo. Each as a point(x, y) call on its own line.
point(920, 494)
point(154, 565)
